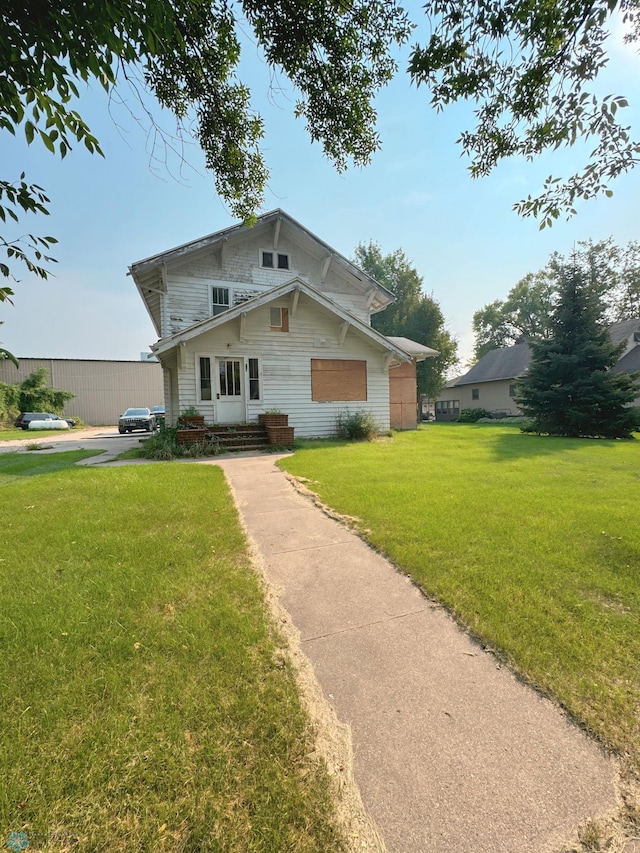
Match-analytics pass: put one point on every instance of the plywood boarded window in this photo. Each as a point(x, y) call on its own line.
point(338, 380)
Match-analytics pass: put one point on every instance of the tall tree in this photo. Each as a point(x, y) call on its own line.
point(186, 54)
point(568, 389)
point(523, 316)
point(613, 273)
point(526, 65)
point(414, 314)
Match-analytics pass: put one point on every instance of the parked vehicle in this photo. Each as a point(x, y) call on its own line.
point(133, 419)
point(45, 420)
point(158, 411)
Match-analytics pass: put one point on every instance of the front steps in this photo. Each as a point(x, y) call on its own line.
point(236, 437)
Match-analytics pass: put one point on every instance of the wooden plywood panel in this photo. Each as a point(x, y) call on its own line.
point(338, 379)
point(403, 398)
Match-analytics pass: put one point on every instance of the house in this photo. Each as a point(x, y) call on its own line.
point(492, 383)
point(270, 317)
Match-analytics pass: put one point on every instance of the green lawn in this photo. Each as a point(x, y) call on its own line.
point(29, 434)
point(146, 704)
point(532, 542)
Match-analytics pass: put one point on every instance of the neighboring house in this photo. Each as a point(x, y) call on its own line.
point(103, 389)
point(447, 406)
point(492, 383)
point(256, 318)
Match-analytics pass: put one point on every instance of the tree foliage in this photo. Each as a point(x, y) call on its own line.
point(529, 66)
point(569, 389)
point(186, 54)
point(36, 395)
point(612, 272)
point(413, 315)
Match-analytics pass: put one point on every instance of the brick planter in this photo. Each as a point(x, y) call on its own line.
point(189, 421)
point(191, 436)
point(271, 420)
point(280, 435)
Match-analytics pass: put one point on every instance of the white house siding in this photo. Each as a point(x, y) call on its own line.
point(189, 283)
point(103, 389)
point(493, 396)
point(285, 366)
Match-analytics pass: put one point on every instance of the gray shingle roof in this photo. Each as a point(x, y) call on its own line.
point(629, 363)
point(512, 362)
point(619, 332)
point(504, 363)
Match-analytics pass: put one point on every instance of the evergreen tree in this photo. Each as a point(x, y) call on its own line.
point(569, 389)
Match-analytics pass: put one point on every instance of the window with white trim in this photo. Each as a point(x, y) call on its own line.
point(219, 300)
point(204, 378)
point(254, 379)
point(274, 260)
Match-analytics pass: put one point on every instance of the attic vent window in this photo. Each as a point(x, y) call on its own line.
point(279, 319)
point(275, 260)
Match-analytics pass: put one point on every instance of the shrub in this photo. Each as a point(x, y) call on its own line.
point(357, 426)
point(9, 402)
point(37, 396)
point(161, 446)
point(472, 416)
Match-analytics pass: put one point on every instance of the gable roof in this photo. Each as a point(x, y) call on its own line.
point(513, 362)
point(622, 331)
point(295, 284)
point(149, 271)
point(503, 363)
point(629, 363)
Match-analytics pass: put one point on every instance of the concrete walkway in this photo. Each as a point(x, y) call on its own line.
point(451, 753)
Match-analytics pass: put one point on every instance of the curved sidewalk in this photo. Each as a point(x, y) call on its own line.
point(451, 753)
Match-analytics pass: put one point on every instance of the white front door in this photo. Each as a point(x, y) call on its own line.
point(230, 391)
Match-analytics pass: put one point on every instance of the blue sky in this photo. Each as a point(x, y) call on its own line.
point(461, 235)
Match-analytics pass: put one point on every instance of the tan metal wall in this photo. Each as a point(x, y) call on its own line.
point(103, 389)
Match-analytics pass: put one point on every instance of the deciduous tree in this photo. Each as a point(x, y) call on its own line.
point(36, 395)
point(414, 314)
point(186, 54)
point(529, 68)
point(612, 272)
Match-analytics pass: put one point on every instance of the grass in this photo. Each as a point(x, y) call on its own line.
point(146, 702)
point(13, 434)
point(533, 543)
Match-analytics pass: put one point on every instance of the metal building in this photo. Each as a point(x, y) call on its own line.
point(103, 389)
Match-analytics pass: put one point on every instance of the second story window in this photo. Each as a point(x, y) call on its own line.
point(219, 299)
point(274, 260)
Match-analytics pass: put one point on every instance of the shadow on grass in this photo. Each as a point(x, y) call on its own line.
point(21, 464)
point(518, 445)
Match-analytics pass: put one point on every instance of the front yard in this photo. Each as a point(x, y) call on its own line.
point(533, 543)
point(146, 702)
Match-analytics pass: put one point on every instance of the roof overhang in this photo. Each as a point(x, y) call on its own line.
point(295, 285)
point(149, 274)
point(419, 352)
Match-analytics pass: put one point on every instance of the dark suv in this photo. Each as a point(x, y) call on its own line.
point(25, 419)
point(136, 419)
